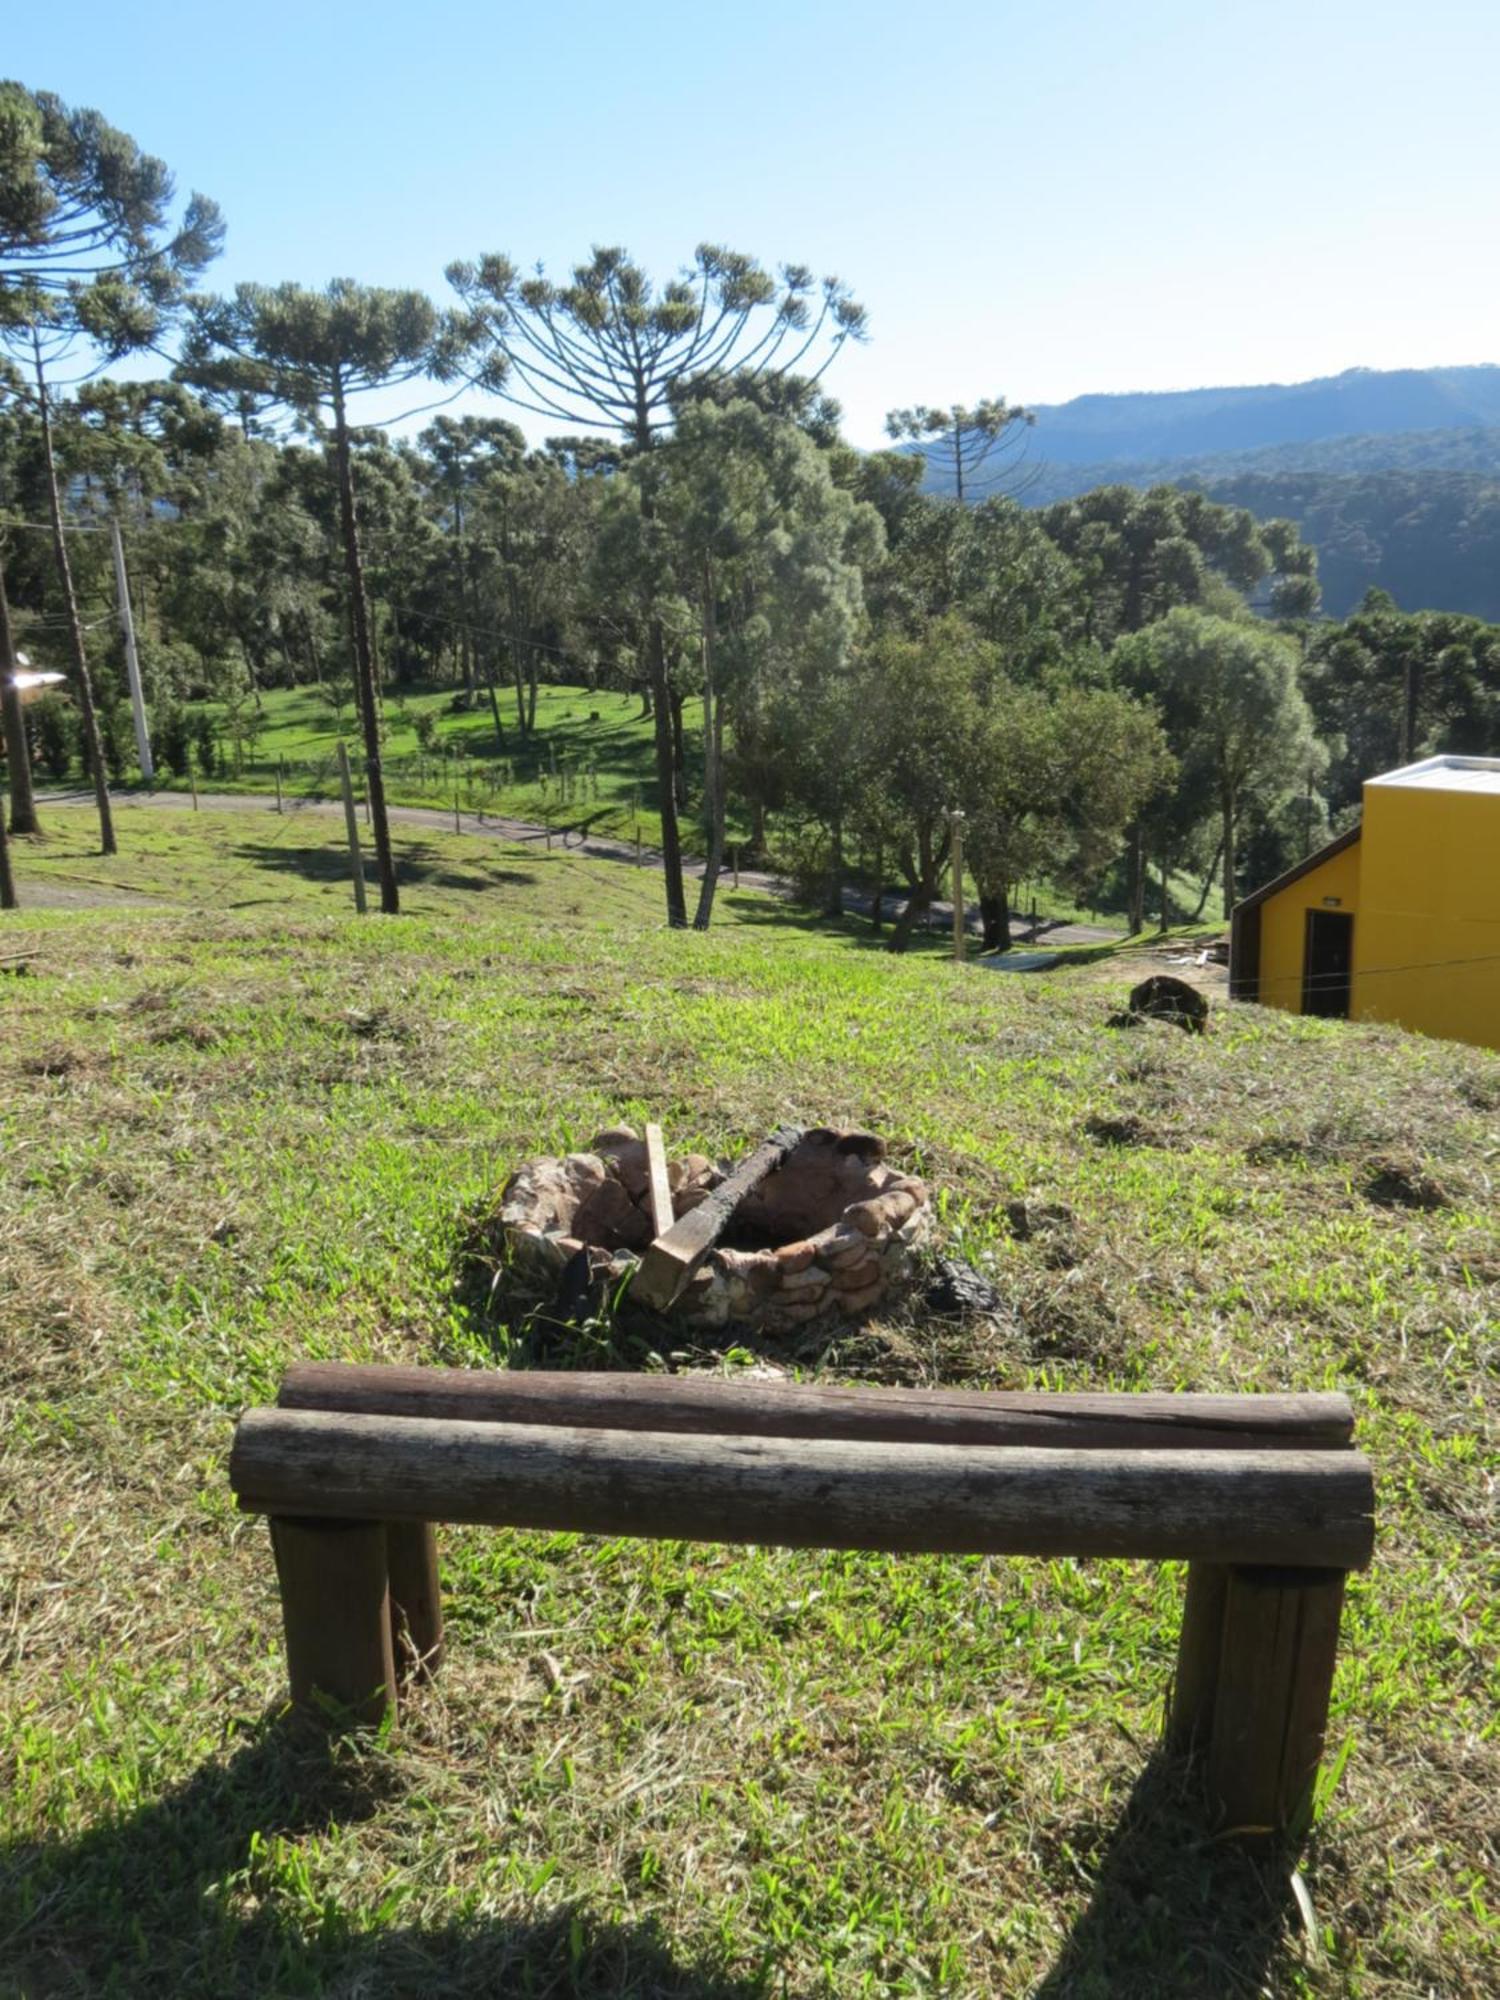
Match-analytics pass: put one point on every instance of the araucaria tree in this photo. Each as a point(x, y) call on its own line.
point(610, 349)
point(314, 352)
point(92, 267)
point(977, 452)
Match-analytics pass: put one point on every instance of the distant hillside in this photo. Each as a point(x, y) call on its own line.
point(1362, 402)
point(1394, 477)
point(1472, 449)
point(1431, 538)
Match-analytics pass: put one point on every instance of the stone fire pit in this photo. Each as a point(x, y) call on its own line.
point(831, 1231)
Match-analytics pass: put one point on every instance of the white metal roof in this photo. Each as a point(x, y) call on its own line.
point(1446, 774)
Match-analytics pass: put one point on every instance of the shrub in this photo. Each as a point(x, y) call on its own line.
point(53, 723)
point(117, 740)
point(205, 743)
point(174, 740)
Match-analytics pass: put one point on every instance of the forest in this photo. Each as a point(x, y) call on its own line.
point(1124, 692)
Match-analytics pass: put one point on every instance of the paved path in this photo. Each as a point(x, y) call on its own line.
point(571, 840)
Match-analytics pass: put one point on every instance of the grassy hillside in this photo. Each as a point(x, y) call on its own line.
point(239, 1126)
point(600, 742)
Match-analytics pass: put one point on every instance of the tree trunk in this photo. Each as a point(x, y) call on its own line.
point(918, 903)
point(994, 915)
point(92, 746)
point(1227, 805)
point(661, 703)
point(1411, 702)
point(1136, 914)
point(23, 817)
point(489, 681)
point(713, 758)
point(833, 898)
point(364, 661)
point(471, 677)
point(877, 894)
point(758, 827)
point(925, 878)
point(9, 900)
point(1208, 882)
point(666, 778)
point(1166, 893)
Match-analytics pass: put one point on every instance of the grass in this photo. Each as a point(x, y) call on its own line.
point(240, 1126)
point(600, 743)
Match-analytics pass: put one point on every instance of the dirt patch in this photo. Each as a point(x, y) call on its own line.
point(1125, 1130)
point(1397, 1180)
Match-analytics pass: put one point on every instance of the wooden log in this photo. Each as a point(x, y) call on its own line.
point(672, 1259)
point(416, 1598)
point(1195, 1685)
point(335, 1611)
point(1266, 1507)
point(709, 1404)
point(1280, 1636)
point(658, 1187)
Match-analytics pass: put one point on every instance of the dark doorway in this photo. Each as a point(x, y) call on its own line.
point(1327, 963)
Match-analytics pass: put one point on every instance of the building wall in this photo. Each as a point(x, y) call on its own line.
point(1283, 925)
point(1427, 934)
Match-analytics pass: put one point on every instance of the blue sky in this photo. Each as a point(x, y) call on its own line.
point(1032, 200)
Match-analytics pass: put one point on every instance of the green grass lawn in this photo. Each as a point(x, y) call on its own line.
point(239, 1126)
point(590, 760)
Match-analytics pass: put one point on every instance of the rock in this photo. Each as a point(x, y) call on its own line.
point(958, 1289)
point(794, 1257)
point(858, 1277)
point(796, 1283)
point(860, 1302)
point(607, 1216)
point(843, 1251)
point(616, 1137)
point(1163, 998)
point(885, 1212)
point(863, 1145)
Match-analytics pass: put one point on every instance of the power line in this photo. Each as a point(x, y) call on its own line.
point(1330, 980)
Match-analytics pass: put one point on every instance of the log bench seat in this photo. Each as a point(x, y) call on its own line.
point(1263, 1496)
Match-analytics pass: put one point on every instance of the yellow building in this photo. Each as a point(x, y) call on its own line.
point(1398, 919)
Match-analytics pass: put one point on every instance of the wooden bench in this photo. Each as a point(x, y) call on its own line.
point(1263, 1496)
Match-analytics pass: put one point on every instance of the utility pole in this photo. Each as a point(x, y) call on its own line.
point(351, 830)
point(956, 821)
point(132, 663)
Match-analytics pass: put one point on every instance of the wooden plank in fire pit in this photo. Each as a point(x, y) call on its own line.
point(672, 1259)
point(658, 1185)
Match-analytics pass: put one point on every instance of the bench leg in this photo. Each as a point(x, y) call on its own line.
point(1279, 1638)
point(1195, 1686)
point(416, 1605)
point(335, 1608)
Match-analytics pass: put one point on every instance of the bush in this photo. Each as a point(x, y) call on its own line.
point(174, 740)
point(205, 744)
point(117, 739)
point(54, 727)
